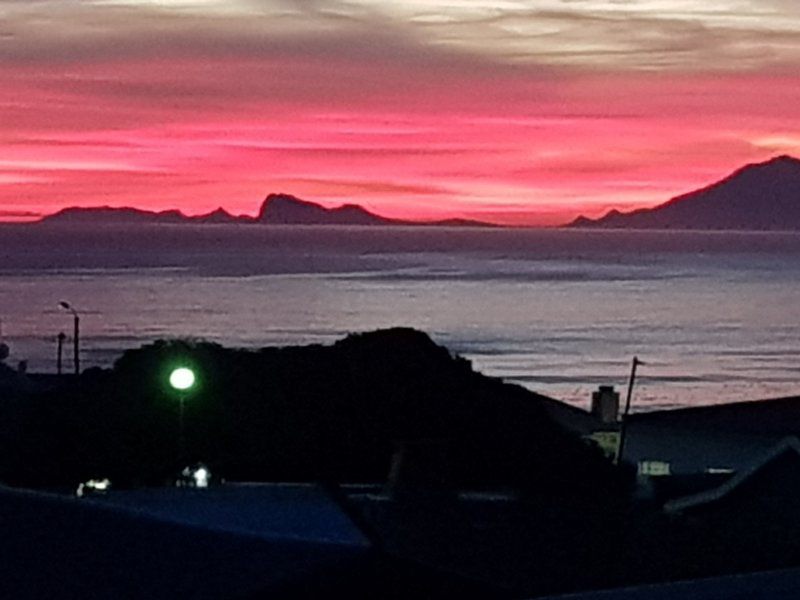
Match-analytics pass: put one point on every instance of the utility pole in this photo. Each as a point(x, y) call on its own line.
point(76, 335)
point(624, 423)
point(76, 344)
point(4, 349)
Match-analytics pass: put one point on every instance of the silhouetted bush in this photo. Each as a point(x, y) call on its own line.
point(331, 413)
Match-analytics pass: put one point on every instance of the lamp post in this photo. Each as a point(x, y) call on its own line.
point(76, 335)
point(181, 379)
point(60, 351)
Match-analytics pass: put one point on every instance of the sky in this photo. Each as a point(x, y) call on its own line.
point(519, 112)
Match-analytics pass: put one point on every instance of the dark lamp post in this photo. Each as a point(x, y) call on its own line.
point(60, 351)
point(181, 379)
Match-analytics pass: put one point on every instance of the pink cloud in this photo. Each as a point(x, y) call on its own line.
point(407, 129)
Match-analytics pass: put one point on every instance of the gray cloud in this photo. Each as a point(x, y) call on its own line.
point(650, 34)
point(122, 64)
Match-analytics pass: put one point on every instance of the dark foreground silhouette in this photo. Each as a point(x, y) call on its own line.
point(301, 413)
point(393, 409)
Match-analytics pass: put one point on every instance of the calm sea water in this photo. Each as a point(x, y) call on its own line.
point(714, 315)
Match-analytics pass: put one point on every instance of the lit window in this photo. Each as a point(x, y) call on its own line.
point(654, 468)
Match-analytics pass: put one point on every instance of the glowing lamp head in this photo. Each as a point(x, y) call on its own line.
point(182, 379)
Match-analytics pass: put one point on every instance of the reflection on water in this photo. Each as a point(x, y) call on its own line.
point(561, 312)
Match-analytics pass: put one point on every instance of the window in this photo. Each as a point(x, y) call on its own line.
point(654, 468)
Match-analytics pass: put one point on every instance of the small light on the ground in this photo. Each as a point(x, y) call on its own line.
point(201, 477)
point(93, 486)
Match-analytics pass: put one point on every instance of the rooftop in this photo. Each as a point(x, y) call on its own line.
point(176, 545)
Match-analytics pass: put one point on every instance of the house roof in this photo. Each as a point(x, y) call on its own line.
point(766, 585)
point(726, 436)
point(774, 415)
point(272, 511)
point(63, 547)
point(788, 444)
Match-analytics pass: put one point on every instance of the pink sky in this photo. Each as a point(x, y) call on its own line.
point(421, 109)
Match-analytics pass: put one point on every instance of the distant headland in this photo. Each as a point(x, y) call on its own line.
point(758, 197)
point(276, 209)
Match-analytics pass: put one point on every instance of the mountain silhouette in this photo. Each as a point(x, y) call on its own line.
point(219, 216)
point(277, 209)
point(114, 215)
point(284, 209)
point(761, 197)
point(107, 214)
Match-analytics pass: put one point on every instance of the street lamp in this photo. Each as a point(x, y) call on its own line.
point(76, 336)
point(181, 379)
point(60, 351)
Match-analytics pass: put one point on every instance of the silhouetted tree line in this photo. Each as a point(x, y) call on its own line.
point(338, 414)
point(324, 413)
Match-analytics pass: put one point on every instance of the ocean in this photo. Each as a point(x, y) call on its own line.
point(714, 316)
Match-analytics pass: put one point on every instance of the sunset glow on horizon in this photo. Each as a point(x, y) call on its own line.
point(519, 112)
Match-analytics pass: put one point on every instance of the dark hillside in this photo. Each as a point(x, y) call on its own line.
point(330, 413)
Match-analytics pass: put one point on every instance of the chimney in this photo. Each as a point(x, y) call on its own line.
point(605, 404)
